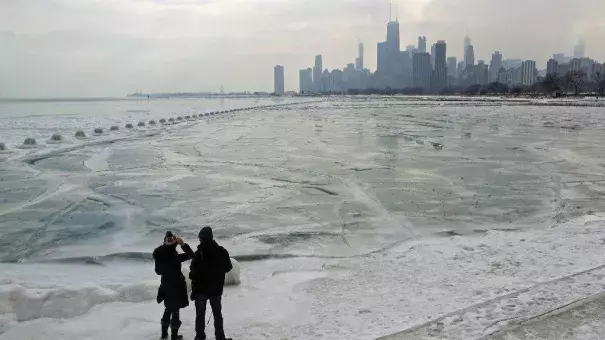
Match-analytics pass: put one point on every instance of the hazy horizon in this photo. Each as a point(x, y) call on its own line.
point(77, 48)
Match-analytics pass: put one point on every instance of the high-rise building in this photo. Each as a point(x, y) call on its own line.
point(481, 73)
point(440, 79)
point(317, 73)
point(305, 80)
point(580, 49)
point(422, 70)
point(467, 43)
point(494, 66)
point(452, 67)
point(469, 56)
point(422, 44)
point(460, 69)
point(433, 56)
point(382, 65)
point(393, 42)
point(552, 66)
point(278, 80)
point(359, 60)
point(528, 72)
point(560, 58)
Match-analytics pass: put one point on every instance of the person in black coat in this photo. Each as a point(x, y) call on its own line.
point(208, 268)
point(173, 288)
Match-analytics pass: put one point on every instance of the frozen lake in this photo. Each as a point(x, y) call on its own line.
point(351, 217)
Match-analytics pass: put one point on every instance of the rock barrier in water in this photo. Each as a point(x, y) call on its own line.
point(171, 120)
point(141, 124)
point(30, 141)
point(162, 121)
point(114, 128)
point(151, 122)
point(129, 126)
point(187, 117)
point(80, 134)
point(98, 131)
point(56, 137)
point(2, 146)
point(179, 118)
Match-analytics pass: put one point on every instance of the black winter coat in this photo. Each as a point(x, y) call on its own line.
point(208, 268)
point(173, 288)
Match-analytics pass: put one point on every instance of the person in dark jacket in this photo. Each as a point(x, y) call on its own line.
point(173, 288)
point(208, 268)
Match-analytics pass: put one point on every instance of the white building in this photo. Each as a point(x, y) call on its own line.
point(278, 80)
point(528, 72)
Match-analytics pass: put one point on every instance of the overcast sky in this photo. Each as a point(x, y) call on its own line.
point(114, 47)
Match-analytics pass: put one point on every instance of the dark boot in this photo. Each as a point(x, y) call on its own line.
point(164, 333)
point(175, 335)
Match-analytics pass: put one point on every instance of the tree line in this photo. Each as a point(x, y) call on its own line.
point(572, 83)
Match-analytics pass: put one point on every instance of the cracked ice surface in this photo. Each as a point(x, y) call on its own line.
point(347, 221)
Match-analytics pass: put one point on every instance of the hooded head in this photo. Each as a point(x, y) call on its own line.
point(170, 239)
point(205, 234)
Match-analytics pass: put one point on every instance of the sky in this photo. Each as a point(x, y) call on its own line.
point(89, 48)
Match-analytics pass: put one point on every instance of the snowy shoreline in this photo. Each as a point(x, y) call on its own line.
point(383, 293)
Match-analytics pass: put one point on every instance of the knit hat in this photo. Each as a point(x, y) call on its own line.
point(206, 234)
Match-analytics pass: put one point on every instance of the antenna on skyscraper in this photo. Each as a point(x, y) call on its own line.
point(391, 11)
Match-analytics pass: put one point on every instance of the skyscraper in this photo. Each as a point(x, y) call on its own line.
point(481, 73)
point(393, 47)
point(440, 79)
point(469, 56)
point(580, 49)
point(433, 56)
point(452, 65)
point(422, 44)
point(528, 72)
point(559, 57)
point(393, 42)
point(278, 80)
point(552, 66)
point(494, 66)
point(305, 80)
point(382, 59)
point(317, 72)
point(359, 60)
point(422, 70)
point(467, 42)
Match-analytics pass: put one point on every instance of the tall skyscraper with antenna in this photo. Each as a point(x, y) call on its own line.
point(359, 59)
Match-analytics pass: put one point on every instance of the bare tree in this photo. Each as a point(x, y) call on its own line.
point(550, 84)
point(600, 84)
point(576, 79)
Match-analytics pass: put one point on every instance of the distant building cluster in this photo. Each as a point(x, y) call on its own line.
point(418, 70)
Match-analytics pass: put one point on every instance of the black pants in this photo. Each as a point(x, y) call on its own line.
point(200, 316)
point(171, 318)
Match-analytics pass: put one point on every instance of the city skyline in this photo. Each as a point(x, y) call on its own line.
point(90, 48)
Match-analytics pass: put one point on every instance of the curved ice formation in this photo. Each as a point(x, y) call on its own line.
point(60, 303)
